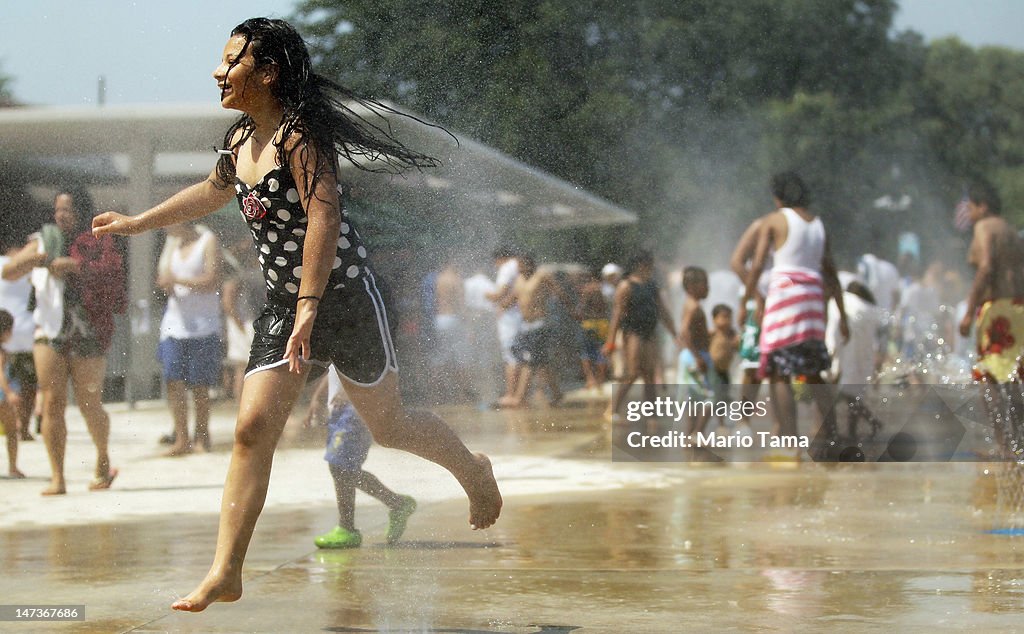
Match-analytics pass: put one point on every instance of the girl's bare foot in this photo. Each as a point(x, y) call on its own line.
point(211, 590)
point(484, 496)
point(17, 475)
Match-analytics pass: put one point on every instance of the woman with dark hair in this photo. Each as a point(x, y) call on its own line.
point(323, 304)
point(802, 279)
point(79, 284)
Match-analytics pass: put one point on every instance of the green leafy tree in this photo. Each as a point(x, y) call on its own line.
point(970, 107)
point(678, 109)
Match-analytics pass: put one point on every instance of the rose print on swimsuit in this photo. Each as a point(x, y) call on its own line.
point(252, 208)
point(1000, 336)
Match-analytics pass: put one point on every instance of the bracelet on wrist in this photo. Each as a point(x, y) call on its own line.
point(312, 297)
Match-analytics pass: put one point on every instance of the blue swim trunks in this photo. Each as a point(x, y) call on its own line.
point(348, 439)
point(12, 383)
point(196, 361)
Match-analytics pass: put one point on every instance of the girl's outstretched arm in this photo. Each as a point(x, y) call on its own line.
point(190, 203)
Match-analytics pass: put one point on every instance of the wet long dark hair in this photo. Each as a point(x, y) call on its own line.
point(318, 109)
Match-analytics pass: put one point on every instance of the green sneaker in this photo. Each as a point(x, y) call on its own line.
point(398, 517)
point(339, 538)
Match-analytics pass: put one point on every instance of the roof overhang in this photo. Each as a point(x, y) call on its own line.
point(471, 173)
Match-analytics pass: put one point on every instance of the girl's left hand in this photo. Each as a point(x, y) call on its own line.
point(113, 223)
point(298, 342)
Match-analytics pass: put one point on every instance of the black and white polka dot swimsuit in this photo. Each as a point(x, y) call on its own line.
point(351, 329)
point(277, 222)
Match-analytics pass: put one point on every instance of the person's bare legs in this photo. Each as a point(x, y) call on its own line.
point(826, 430)
point(783, 406)
point(748, 392)
point(266, 401)
point(316, 415)
point(522, 389)
point(345, 496)
point(550, 378)
point(9, 418)
point(647, 366)
point(177, 402)
point(87, 375)
point(345, 485)
point(201, 407)
point(511, 381)
point(239, 377)
point(631, 354)
point(25, 409)
point(589, 376)
point(52, 370)
point(427, 436)
point(370, 485)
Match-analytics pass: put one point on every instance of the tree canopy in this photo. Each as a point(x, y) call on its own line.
point(682, 110)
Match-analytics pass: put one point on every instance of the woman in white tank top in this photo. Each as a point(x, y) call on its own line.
point(804, 247)
point(190, 347)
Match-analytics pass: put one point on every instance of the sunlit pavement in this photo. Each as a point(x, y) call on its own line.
point(583, 544)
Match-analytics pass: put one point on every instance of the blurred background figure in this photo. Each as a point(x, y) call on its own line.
point(448, 356)
point(481, 324)
point(882, 278)
point(611, 275)
point(242, 296)
point(593, 312)
point(919, 312)
point(14, 298)
point(190, 332)
point(8, 397)
point(79, 285)
point(854, 361)
point(636, 311)
point(725, 343)
point(510, 319)
point(536, 294)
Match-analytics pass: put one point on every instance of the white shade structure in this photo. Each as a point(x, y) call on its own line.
point(135, 156)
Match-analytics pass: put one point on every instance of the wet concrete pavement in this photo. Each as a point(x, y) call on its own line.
point(583, 544)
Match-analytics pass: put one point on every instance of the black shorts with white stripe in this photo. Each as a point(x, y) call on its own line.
point(352, 331)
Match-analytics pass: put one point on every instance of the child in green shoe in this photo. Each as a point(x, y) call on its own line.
point(348, 442)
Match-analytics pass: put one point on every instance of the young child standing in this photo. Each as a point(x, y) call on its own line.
point(696, 371)
point(9, 399)
point(725, 343)
point(348, 442)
